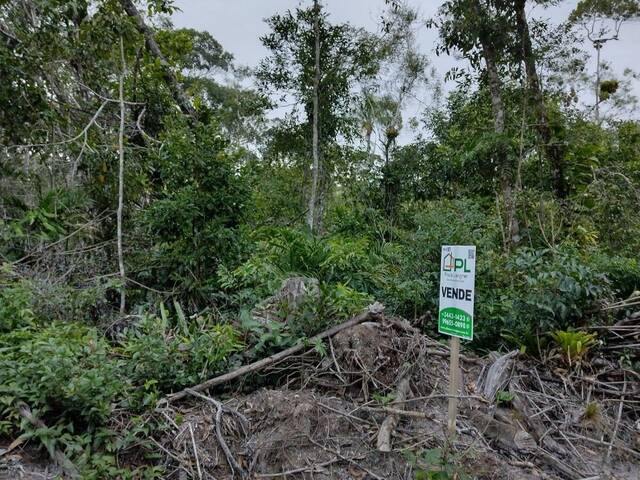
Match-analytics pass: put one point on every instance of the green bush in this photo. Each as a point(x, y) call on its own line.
point(16, 309)
point(23, 301)
point(63, 368)
point(536, 291)
point(337, 303)
point(191, 226)
point(66, 375)
point(170, 353)
point(76, 382)
point(623, 272)
point(281, 253)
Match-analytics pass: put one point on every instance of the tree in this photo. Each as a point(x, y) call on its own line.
point(601, 20)
point(302, 44)
point(314, 216)
point(477, 29)
point(403, 72)
point(552, 147)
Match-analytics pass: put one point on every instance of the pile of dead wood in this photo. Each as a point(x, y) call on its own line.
point(376, 402)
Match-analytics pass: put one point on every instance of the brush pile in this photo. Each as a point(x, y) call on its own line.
point(373, 405)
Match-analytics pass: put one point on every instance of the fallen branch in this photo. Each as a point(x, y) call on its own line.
point(373, 313)
point(233, 463)
point(391, 422)
point(308, 469)
point(607, 458)
point(400, 412)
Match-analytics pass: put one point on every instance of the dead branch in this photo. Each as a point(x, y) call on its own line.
point(374, 313)
point(389, 424)
point(233, 463)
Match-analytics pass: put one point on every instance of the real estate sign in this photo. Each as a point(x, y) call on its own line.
point(457, 291)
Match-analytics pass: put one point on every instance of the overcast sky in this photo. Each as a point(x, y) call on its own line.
point(238, 25)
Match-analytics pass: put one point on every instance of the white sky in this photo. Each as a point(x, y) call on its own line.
point(238, 25)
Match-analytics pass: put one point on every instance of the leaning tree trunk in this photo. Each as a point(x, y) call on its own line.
point(553, 151)
point(506, 166)
point(313, 214)
point(154, 49)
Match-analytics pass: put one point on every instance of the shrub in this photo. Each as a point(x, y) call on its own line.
point(281, 253)
point(623, 272)
point(538, 291)
point(37, 300)
point(62, 368)
point(337, 303)
point(191, 227)
point(67, 376)
point(174, 352)
point(15, 305)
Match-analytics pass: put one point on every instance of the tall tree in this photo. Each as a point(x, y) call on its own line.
point(315, 64)
point(602, 20)
point(403, 73)
point(477, 29)
point(314, 215)
point(551, 146)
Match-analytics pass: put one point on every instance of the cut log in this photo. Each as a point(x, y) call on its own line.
point(497, 376)
point(373, 313)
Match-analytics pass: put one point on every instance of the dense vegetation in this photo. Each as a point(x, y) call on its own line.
point(150, 198)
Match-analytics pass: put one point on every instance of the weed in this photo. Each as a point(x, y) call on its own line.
point(574, 344)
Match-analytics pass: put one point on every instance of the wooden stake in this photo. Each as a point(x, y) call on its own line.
point(454, 383)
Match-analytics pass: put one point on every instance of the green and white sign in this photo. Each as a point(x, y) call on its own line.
point(457, 291)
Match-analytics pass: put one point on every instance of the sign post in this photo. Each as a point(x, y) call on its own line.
point(457, 295)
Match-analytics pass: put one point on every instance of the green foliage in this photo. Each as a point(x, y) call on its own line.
point(561, 288)
point(214, 202)
point(286, 252)
point(76, 381)
point(384, 400)
point(574, 344)
point(348, 55)
point(190, 229)
point(15, 306)
point(587, 10)
point(435, 464)
point(37, 301)
point(65, 367)
point(538, 291)
point(504, 398)
point(265, 338)
point(337, 303)
point(173, 352)
point(67, 376)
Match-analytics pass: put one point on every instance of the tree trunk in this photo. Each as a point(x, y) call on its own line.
point(121, 182)
point(598, 50)
point(152, 46)
point(313, 218)
point(497, 107)
point(553, 151)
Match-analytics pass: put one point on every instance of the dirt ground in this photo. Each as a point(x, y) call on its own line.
point(324, 419)
point(321, 417)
